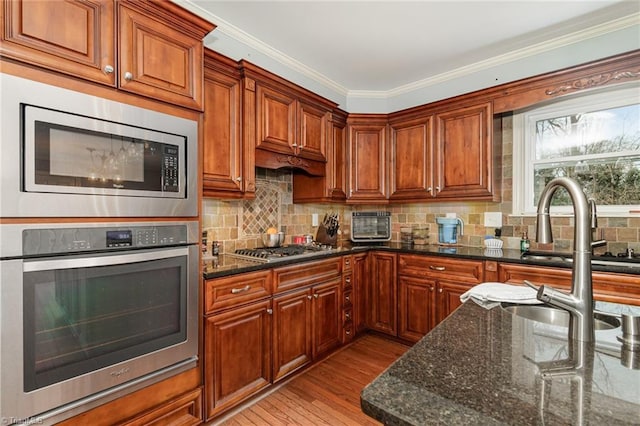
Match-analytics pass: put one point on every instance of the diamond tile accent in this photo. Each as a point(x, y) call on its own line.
point(262, 212)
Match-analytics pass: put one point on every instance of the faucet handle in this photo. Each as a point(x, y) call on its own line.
point(593, 213)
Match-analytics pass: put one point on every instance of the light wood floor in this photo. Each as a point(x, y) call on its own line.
point(328, 393)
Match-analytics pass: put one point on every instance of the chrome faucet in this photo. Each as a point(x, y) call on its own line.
point(580, 302)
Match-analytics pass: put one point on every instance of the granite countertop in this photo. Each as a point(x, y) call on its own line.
point(223, 265)
point(489, 367)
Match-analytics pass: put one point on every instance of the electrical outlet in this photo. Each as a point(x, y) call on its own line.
point(314, 219)
point(493, 219)
point(450, 215)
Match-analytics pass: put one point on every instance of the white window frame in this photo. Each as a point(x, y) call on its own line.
point(524, 130)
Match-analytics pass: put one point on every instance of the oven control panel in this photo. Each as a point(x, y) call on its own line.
point(102, 238)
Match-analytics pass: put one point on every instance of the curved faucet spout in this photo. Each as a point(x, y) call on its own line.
point(580, 302)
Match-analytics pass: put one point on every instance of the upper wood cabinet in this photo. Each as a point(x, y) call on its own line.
point(451, 154)
point(465, 154)
point(332, 186)
point(367, 153)
point(228, 168)
point(152, 49)
point(289, 124)
point(411, 149)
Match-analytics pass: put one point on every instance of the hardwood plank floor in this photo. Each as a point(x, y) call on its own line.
point(327, 394)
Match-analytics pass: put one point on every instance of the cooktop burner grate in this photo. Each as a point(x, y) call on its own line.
point(269, 252)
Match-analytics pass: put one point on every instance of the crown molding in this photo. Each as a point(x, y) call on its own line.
point(247, 39)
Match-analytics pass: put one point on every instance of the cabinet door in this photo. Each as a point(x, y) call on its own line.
point(382, 293)
point(312, 132)
point(411, 172)
point(158, 59)
point(222, 143)
point(333, 185)
point(237, 355)
point(326, 316)
point(291, 333)
point(75, 38)
point(464, 153)
point(449, 297)
point(275, 121)
point(367, 163)
point(416, 307)
point(361, 280)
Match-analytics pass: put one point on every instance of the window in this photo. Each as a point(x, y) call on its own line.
point(593, 138)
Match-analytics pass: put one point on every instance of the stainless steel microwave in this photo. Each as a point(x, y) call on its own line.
point(69, 154)
point(370, 226)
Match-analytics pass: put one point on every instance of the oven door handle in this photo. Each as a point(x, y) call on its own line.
point(88, 262)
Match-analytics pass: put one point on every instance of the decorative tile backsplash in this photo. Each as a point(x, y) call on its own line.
point(262, 213)
point(238, 224)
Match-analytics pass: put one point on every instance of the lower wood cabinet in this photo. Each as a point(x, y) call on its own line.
point(326, 316)
point(382, 293)
point(429, 290)
point(237, 355)
point(291, 332)
point(360, 281)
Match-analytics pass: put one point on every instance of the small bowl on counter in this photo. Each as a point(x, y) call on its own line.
point(273, 240)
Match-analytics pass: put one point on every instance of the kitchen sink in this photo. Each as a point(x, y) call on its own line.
point(629, 262)
point(559, 317)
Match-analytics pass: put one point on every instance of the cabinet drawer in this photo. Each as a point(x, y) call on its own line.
point(347, 299)
point(347, 281)
point(226, 292)
point(440, 267)
point(347, 332)
point(294, 276)
point(347, 262)
point(183, 411)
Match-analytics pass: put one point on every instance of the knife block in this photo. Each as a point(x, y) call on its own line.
point(322, 237)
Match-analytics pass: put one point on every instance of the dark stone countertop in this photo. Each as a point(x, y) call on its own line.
point(489, 367)
point(225, 265)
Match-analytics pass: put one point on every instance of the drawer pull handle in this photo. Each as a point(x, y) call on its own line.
point(437, 268)
point(240, 290)
point(348, 332)
point(347, 298)
point(347, 316)
point(347, 280)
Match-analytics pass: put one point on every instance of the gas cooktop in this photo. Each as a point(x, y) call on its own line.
point(274, 254)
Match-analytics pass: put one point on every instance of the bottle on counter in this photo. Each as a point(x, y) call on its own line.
point(525, 244)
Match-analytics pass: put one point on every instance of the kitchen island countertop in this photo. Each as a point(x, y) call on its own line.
point(489, 367)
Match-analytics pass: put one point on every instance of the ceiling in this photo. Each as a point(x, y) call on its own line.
point(380, 46)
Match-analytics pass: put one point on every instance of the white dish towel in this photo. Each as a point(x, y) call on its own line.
point(490, 294)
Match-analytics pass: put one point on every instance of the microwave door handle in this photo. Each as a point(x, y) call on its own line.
point(88, 262)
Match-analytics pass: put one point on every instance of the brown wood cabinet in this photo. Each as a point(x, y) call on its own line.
point(292, 338)
point(382, 293)
point(326, 317)
point(288, 124)
point(155, 51)
point(367, 158)
point(607, 287)
point(429, 290)
point(332, 187)
point(183, 411)
point(347, 322)
point(361, 277)
point(464, 154)
point(227, 167)
point(411, 148)
point(237, 355)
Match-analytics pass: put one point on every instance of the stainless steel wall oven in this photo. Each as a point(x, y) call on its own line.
point(68, 154)
point(89, 312)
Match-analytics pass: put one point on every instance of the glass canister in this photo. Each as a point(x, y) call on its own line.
point(406, 234)
point(421, 235)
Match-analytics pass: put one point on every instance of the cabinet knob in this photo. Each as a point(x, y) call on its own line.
point(309, 297)
point(316, 296)
point(431, 289)
point(270, 311)
point(438, 188)
point(239, 179)
point(429, 189)
point(440, 291)
point(108, 69)
point(347, 298)
point(347, 280)
point(128, 76)
point(347, 316)
point(295, 145)
point(348, 332)
point(347, 262)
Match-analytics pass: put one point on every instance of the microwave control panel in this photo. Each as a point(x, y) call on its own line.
point(170, 177)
